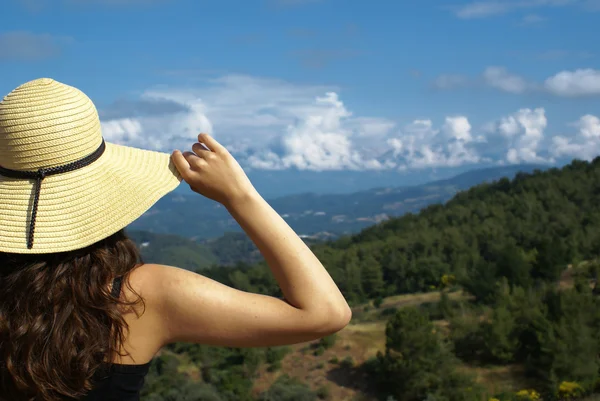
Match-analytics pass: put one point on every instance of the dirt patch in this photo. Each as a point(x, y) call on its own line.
point(356, 342)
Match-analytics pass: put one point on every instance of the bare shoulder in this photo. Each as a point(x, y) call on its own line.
point(146, 332)
point(185, 306)
point(147, 281)
point(171, 297)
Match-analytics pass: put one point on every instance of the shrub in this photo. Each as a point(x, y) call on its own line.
point(388, 312)
point(286, 388)
point(334, 360)
point(323, 393)
point(275, 354)
point(275, 366)
point(328, 342)
point(447, 280)
point(432, 309)
point(569, 390)
point(528, 395)
point(319, 351)
point(348, 362)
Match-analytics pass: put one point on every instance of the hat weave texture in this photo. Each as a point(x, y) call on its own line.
point(45, 124)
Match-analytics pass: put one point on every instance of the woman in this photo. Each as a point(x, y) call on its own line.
point(67, 325)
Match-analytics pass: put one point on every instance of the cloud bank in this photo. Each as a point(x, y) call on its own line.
point(272, 124)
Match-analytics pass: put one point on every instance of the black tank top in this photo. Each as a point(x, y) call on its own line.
point(116, 381)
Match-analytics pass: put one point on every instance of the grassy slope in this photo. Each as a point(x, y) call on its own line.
point(360, 340)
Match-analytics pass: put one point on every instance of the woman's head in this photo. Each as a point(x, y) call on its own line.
point(58, 320)
point(62, 186)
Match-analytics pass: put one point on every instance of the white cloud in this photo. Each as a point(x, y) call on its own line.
point(484, 9)
point(122, 131)
point(322, 141)
point(589, 126)
point(584, 145)
point(272, 123)
point(161, 132)
point(524, 132)
point(421, 145)
point(500, 78)
point(367, 126)
point(582, 82)
point(237, 109)
point(459, 128)
point(496, 77)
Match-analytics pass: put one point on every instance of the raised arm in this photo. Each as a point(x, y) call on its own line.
point(201, 310)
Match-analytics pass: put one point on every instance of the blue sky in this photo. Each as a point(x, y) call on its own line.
point(326, 85)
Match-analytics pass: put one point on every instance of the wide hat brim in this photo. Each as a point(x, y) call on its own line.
point(79, 208)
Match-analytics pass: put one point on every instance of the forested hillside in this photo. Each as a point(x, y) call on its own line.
point(514, 266)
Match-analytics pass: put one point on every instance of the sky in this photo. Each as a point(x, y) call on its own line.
point(326, 85)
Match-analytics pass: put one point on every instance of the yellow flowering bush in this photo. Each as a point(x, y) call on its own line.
point(569, 391)
point(448, 280)
point(493, 399)
point(528, 395)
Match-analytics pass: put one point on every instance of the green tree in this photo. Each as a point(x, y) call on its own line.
point(372, 277)
point(288, 389)
point(499, 335)
point(417, 362)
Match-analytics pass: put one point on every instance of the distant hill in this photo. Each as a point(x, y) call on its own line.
point(313, 215)
point(231, 249)
point(173, 250)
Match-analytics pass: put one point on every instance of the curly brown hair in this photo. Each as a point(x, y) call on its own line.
point(58, 320)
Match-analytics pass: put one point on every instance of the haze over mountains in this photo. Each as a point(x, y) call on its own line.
point(319, 216)
point(280, 183)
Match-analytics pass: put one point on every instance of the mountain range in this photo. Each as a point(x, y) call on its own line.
point(312, 215)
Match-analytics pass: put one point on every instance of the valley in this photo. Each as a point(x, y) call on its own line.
point(314, 216)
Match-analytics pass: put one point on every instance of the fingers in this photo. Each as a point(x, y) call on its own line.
point(181, 164)
point(211, 143)
point(200, 149)
point(194, 160)
point(184, 162)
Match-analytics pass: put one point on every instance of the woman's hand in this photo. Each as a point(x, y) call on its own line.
point(213, 173)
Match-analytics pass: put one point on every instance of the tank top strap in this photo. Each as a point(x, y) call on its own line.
point(116, 287)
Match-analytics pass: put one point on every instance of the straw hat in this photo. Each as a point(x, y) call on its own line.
point(61, 186)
